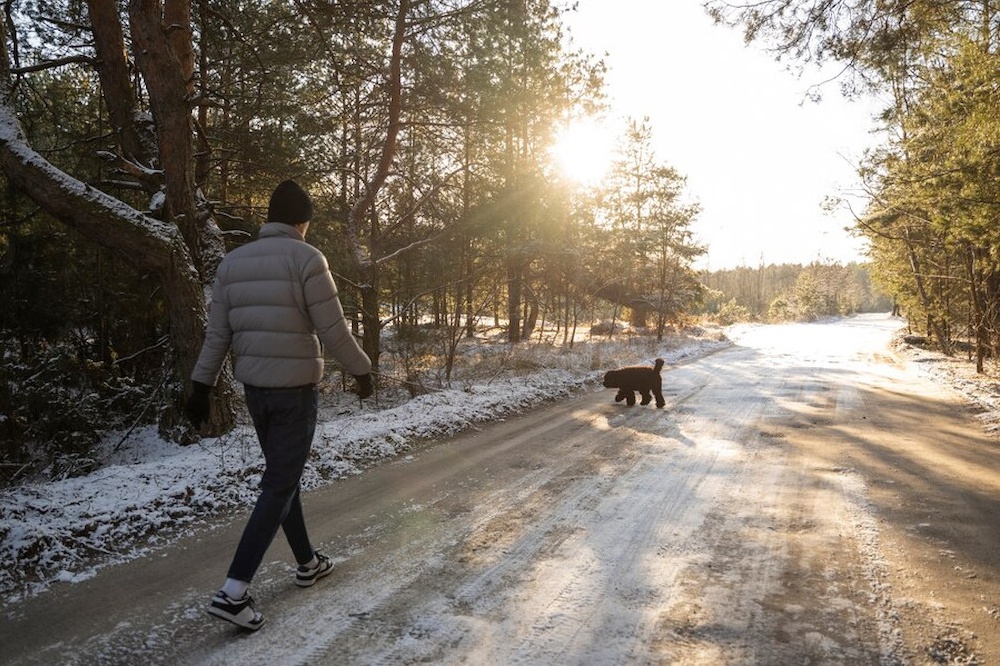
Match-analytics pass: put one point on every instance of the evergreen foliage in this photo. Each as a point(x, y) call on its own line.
point(792, 292)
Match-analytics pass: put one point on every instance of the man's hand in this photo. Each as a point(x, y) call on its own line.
point(365, 388)
point(196, 408)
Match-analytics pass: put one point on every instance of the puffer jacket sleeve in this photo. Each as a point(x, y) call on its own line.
point(327, 315)
point(218, 337)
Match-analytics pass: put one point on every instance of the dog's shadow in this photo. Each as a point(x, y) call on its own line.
point(659, 423)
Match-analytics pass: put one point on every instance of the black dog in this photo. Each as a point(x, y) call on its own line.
point(641, 378)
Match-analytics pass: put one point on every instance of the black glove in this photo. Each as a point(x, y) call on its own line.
point(365, 387)
point(196, 408)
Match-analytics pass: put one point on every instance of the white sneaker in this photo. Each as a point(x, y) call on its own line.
point(238, 611)
point(307, 577)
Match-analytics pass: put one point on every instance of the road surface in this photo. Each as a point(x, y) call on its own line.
point(803, 498)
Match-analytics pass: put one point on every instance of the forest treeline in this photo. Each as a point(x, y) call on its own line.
point(791, 292)
point(142, 139)
point(933, 186)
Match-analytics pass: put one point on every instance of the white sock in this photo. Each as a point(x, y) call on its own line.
point(235, 589)
point(312, 564)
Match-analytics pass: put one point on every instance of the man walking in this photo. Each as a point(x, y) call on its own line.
point(274, 303)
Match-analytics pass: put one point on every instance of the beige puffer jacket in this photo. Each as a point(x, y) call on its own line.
point(275, 302)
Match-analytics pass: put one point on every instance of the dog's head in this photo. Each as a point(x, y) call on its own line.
point(611, 379)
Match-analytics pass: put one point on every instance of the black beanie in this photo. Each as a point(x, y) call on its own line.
point(289, 204)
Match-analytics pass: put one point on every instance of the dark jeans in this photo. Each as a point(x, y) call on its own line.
point(285, 420)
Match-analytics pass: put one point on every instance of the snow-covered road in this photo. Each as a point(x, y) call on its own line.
point(803, 498)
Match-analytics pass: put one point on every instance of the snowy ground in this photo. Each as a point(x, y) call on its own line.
point(959, 372)
point(149, 491)
point(805, 497)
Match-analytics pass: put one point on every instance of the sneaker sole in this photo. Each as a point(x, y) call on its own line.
point(228, 617)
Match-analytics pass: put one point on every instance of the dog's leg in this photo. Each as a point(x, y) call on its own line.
point(659, 397)
point(620, 396)
point(630, 398)
point(646, 397)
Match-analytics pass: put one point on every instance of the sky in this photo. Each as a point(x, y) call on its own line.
point(759, 157)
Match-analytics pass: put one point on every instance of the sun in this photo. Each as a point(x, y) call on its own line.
point(583, 150)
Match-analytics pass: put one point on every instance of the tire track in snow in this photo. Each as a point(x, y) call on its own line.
point(595, 598)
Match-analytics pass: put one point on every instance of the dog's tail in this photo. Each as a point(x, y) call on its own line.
point(658, 365)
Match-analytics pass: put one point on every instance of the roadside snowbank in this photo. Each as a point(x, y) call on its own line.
point(959, 372)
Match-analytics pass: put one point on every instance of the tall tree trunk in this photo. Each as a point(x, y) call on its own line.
point(467, 289)
point(515, 286)
point(167, 75)
point(639, 313)
point(361, 250)
point(933, 322)
point(371, 323)
point(979, 325)
point(164, 54)
point(530, 316)
point(116, 82)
